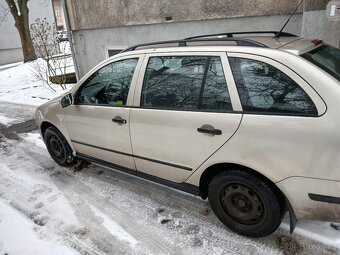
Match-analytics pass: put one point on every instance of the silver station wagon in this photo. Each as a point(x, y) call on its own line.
point(250, 121)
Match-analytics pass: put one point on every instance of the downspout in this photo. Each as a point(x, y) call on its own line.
point(70, 38)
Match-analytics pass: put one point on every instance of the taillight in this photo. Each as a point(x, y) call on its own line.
point(317, 42)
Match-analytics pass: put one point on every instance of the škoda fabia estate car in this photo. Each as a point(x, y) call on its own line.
point(251, 122)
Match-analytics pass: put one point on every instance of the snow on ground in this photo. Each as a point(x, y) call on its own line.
point(18, 236)
point(20, 85)
point(3, 67)
point(5, 120)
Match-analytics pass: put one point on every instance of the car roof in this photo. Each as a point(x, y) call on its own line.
point(296, 45)
point(264, 39)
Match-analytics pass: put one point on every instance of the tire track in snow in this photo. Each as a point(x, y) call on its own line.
point(229, 240)
point(61, 178)
point(147, 197)
point(70, 184)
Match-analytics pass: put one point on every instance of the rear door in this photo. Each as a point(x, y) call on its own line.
point(186, 108)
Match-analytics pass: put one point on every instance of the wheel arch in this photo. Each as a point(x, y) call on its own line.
point(45, 125)
point(216, 169)
point(213, 170)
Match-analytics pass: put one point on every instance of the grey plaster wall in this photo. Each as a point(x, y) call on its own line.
point(315, 5)
point(316, 24)
point(91, 45)
point(115, 13)
point(9, 36)
point(11, 56)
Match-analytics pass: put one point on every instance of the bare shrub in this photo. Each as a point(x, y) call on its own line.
point(52, 52)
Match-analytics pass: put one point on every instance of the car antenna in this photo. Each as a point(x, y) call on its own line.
point(278, 34)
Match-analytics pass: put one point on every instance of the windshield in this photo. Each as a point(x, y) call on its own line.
point(327, 58)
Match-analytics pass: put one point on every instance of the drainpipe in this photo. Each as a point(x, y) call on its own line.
point(70, 38)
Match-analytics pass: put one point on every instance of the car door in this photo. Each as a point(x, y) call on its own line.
point(186, 108)
point(283, 124)
point(98, 121)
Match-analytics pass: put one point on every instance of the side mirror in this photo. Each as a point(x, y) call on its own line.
point(66, 100)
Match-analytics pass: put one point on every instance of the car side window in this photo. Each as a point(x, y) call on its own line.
point(265, 89)
point(109, 85)
point(195, 83)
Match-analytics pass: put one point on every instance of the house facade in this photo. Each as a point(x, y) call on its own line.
point(10, 45)
point(102, 28)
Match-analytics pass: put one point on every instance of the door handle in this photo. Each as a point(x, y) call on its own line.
point(208, 129)
point(119, 120)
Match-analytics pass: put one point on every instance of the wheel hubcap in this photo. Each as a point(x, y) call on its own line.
point(242, 204)
point(57, 147)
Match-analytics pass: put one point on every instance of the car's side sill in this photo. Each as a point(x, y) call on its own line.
point(325, 199)
point(136, 156)
point(186, 187)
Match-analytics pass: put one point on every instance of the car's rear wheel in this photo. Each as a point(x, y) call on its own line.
point(246, 203)
point(58, 147)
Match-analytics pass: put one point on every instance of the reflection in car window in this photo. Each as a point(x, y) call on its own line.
point(263, 88)
point(327, 58)
point(109, 85)
point(185, 83)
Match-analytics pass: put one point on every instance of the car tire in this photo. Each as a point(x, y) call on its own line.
point(58, 147)
point(246, 203)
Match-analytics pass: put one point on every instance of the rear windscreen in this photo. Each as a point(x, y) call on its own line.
point(327, 58)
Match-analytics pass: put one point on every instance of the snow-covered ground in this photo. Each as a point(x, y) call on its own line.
point(48, 209)
point(19, 84)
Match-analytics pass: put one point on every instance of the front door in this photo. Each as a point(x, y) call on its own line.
point(186, 113)
point(98, 121)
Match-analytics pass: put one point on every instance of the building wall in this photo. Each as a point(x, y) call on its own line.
point(91, 45)
point(8, 56)
point(317, 23)
point(125, 23)
point(114, 13)
point(10, 45)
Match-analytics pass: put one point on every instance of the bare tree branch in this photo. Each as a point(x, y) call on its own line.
point(48, 48)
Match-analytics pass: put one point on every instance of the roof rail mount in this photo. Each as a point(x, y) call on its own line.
point(213, 38)
point(232, 34)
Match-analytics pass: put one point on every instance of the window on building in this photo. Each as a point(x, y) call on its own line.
point(264, 88)
point(112, 52)
point(185, 83)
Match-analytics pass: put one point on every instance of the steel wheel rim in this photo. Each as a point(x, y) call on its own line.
point(242, 204)
point(57, 147)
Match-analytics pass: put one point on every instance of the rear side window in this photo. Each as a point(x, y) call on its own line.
point(327, 58)
point(194, 83)
point(265, 89)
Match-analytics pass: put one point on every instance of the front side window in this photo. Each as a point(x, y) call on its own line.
point(109, 85)
point(185, 83)
point(265, 89)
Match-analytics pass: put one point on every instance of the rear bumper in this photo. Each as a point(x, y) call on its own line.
point(311, 198)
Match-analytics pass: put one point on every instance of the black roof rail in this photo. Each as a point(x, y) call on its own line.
point(231, 34)
point(183, 42)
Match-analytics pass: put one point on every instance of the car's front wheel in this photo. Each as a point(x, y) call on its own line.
point(246, 203)
point(58, 147)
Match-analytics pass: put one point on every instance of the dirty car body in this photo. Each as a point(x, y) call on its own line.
point(253, 126)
